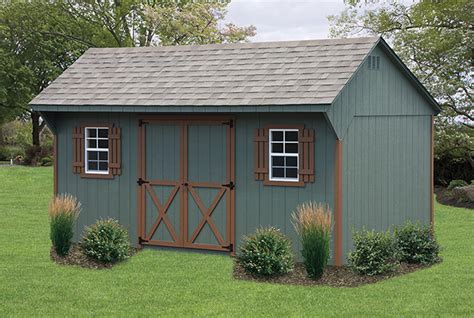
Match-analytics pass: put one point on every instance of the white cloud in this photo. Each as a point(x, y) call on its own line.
point(282, 20)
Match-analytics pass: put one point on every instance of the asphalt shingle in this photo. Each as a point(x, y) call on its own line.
point(272, 73)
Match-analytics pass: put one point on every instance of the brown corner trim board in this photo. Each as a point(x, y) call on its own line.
point(432, 176)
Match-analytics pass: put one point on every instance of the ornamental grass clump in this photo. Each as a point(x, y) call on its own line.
point(63, 212)
point(106, 241)
point(312, 222)
point(266, 253)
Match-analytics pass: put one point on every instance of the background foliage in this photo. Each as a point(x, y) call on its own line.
point(434, 39)
point(40, 39)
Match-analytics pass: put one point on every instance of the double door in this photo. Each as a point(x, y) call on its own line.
point(186, 183)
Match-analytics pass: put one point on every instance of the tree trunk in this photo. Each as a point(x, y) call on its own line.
point(2, 138)
point(35, 119)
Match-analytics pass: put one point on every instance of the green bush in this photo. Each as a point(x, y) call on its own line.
point(416, 244)
point(10, 152)
point(456, 184)
point(106, 241)
point(46, 161)
point(374, 253)
point(312, 222)
point(267, 252)
point(63, 211)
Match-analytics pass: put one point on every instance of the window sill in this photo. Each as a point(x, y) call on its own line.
point(283, 183)
point(97, 175)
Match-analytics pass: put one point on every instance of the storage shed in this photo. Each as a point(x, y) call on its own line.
point(195, 146)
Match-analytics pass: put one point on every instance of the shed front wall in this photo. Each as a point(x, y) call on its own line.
point(255, 204)
point(100, 198)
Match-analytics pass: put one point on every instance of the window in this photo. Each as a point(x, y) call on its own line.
point(284, 156)
point(97, 150)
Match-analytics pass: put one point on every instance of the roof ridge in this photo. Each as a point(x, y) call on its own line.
point(240, 45)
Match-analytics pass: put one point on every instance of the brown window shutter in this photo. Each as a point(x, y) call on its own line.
point(261, 154)
point(306, 142)
point(77, 150)
point(114, 151)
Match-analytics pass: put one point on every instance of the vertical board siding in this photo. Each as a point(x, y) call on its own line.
point(387, 173)
point(115, 198)
point(259, 205)
point(256, 205)
point(384, 123)
point(382, 92)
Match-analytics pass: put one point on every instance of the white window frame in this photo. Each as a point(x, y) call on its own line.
point(283, 154)
point(87, 149)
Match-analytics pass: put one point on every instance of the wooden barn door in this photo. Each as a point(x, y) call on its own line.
point(160, 184)
point(186, 183)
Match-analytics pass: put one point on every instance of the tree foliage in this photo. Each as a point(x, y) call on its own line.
point(40, 39)
point(434, 38)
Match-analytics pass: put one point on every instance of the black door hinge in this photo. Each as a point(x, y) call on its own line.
point(140, 181)
point(141, 240)
point(141, 122)
point(230, 123)
point(229, 247)
point(230, 185)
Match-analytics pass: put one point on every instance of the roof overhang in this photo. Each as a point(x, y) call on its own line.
point(319, 108)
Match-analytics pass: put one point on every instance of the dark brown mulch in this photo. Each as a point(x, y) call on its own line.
point(333, 276)
point(443, 196)
point(77, 257)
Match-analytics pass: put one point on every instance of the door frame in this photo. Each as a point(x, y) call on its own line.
point(184, 121)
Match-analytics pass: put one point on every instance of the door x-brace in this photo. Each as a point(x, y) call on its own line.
point(162, 210)
point(206, 213)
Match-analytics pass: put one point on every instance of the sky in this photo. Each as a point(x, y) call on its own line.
point(282, 20)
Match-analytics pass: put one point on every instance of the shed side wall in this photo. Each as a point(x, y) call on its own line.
point(387, 173)
point(377, 92)
point(385, 124)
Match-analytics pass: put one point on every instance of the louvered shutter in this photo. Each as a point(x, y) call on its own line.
point(261, 154)
point(77, 150)
point(306, 146)
point(114, 151)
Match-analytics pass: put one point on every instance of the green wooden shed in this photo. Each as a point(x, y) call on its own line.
point(193, 147)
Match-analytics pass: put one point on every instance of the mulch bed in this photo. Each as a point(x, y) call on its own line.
point(333, 276)
point(443, 196)
point(77, 257)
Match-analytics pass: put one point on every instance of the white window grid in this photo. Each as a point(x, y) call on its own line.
point(282, 154)
point(97, 149)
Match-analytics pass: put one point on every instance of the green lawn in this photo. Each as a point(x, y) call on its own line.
point(187, 284)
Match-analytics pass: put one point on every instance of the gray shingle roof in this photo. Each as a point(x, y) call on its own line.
point(273, 73)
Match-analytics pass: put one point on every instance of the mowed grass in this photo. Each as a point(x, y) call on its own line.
point(163, 283)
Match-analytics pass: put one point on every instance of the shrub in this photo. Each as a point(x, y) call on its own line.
point(267, 253)
point(46, 161)
point(456, 184)
point(9, 152)
point(34, 153)
point(63, 211)
point(312, 222)
point(374, 253)
point(416, 244)
point(106, 241)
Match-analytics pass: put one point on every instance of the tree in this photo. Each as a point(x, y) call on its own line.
point(191, 22)
point(37, 42)
point(434, 39)
point(40, 39)
point(157, 22)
